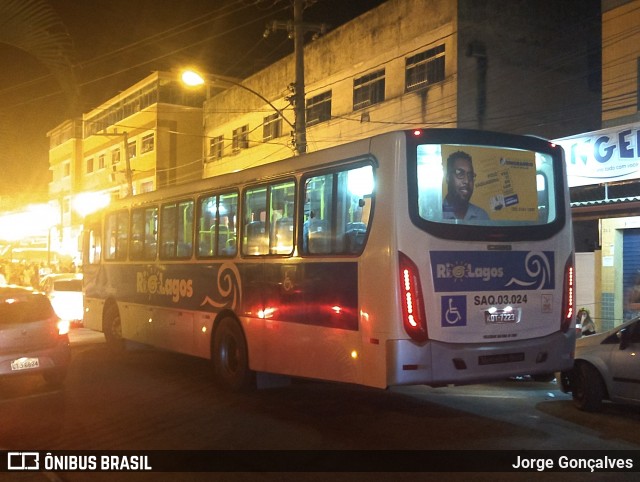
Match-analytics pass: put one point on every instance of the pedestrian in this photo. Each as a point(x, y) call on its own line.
point(587, 325)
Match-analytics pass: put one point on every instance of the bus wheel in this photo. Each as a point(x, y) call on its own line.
point(587, 388)
point(230, 357)
point(112, 328)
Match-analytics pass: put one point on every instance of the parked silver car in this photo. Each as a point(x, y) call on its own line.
point(606, 366)
point(32, 337)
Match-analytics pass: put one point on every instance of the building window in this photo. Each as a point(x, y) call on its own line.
point(66, 169)
point(271, 127)
point(115, 157)
point(147, 144)
point(319, 108)
point(146, 186)
point(425, 68)
point(131, 149)
point(240, 138)
point(368, 90)
point(216, 147)
point(90, 165)
point(101, 161)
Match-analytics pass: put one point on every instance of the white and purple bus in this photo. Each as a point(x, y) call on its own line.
point(432, 256)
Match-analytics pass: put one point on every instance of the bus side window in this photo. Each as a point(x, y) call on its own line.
point(92, 240)
point(338, 211)
point(281, 211)
point(268, 219)
point(254, 238)
point(143, 233)
point(207, 207)
point(227, 224)
point(117, 235)
point(176, 230)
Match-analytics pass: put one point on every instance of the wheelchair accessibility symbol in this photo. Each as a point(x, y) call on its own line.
point(453, 311)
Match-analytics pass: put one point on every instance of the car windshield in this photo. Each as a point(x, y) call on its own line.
point(24, 309)
point(68, 285)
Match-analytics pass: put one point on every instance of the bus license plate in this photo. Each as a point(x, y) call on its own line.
point(25, 363)
point(502, 316)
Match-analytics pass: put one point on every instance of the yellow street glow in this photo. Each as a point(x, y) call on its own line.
point(191, 78)
point(88, 202)
point(35, 220)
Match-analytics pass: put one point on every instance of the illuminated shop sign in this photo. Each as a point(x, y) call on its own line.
point(607, 155)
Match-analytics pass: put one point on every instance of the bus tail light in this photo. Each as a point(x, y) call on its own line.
point(568, 295)
point(413, 313)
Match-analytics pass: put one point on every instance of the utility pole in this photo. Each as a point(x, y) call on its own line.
point(127, 164)
point(299, 96)
point(127, 160)
point(297, 31)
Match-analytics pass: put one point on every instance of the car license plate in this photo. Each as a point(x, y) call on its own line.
point(502, 316)
point(25, 363)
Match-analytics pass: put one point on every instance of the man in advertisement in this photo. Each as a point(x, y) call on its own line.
point(460, 178)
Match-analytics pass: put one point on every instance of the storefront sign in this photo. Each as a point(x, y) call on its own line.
point(602, 156)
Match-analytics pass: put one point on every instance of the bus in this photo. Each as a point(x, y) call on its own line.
point(354, 264)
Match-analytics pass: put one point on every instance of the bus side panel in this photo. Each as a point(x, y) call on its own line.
point(378, 277)
point(93, 297)
point(310, 315)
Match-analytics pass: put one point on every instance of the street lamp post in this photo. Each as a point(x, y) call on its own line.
point(193, 79)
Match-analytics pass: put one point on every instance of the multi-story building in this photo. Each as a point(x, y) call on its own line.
point(145, 138)
point(604, 175)
point(521, 66)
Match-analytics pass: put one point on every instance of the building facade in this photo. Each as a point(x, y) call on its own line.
point(604, 176)
point(520, 66)
point(145, 138)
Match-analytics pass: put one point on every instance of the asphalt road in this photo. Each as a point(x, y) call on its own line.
point(145, 399)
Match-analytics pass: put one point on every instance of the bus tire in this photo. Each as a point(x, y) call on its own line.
point(112, 328)
point(230, 357)
point(587, 388)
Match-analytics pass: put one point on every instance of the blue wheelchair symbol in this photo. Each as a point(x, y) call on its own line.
point(453, 310)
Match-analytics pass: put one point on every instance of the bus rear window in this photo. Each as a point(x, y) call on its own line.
point(486, 186)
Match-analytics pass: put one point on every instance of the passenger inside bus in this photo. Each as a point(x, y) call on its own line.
point(317, 235)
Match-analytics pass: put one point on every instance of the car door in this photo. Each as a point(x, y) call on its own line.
point(625, 365)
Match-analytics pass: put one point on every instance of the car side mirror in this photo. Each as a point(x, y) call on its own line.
point(625, 338)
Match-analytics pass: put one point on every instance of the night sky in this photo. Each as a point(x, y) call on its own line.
point(119, 42)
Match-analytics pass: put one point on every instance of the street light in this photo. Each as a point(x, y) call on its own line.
point(86, 203)
point(192, 78)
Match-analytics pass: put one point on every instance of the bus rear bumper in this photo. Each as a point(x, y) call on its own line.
point(436, 363)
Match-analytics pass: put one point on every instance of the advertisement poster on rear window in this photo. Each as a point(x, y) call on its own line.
point(483, 184)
